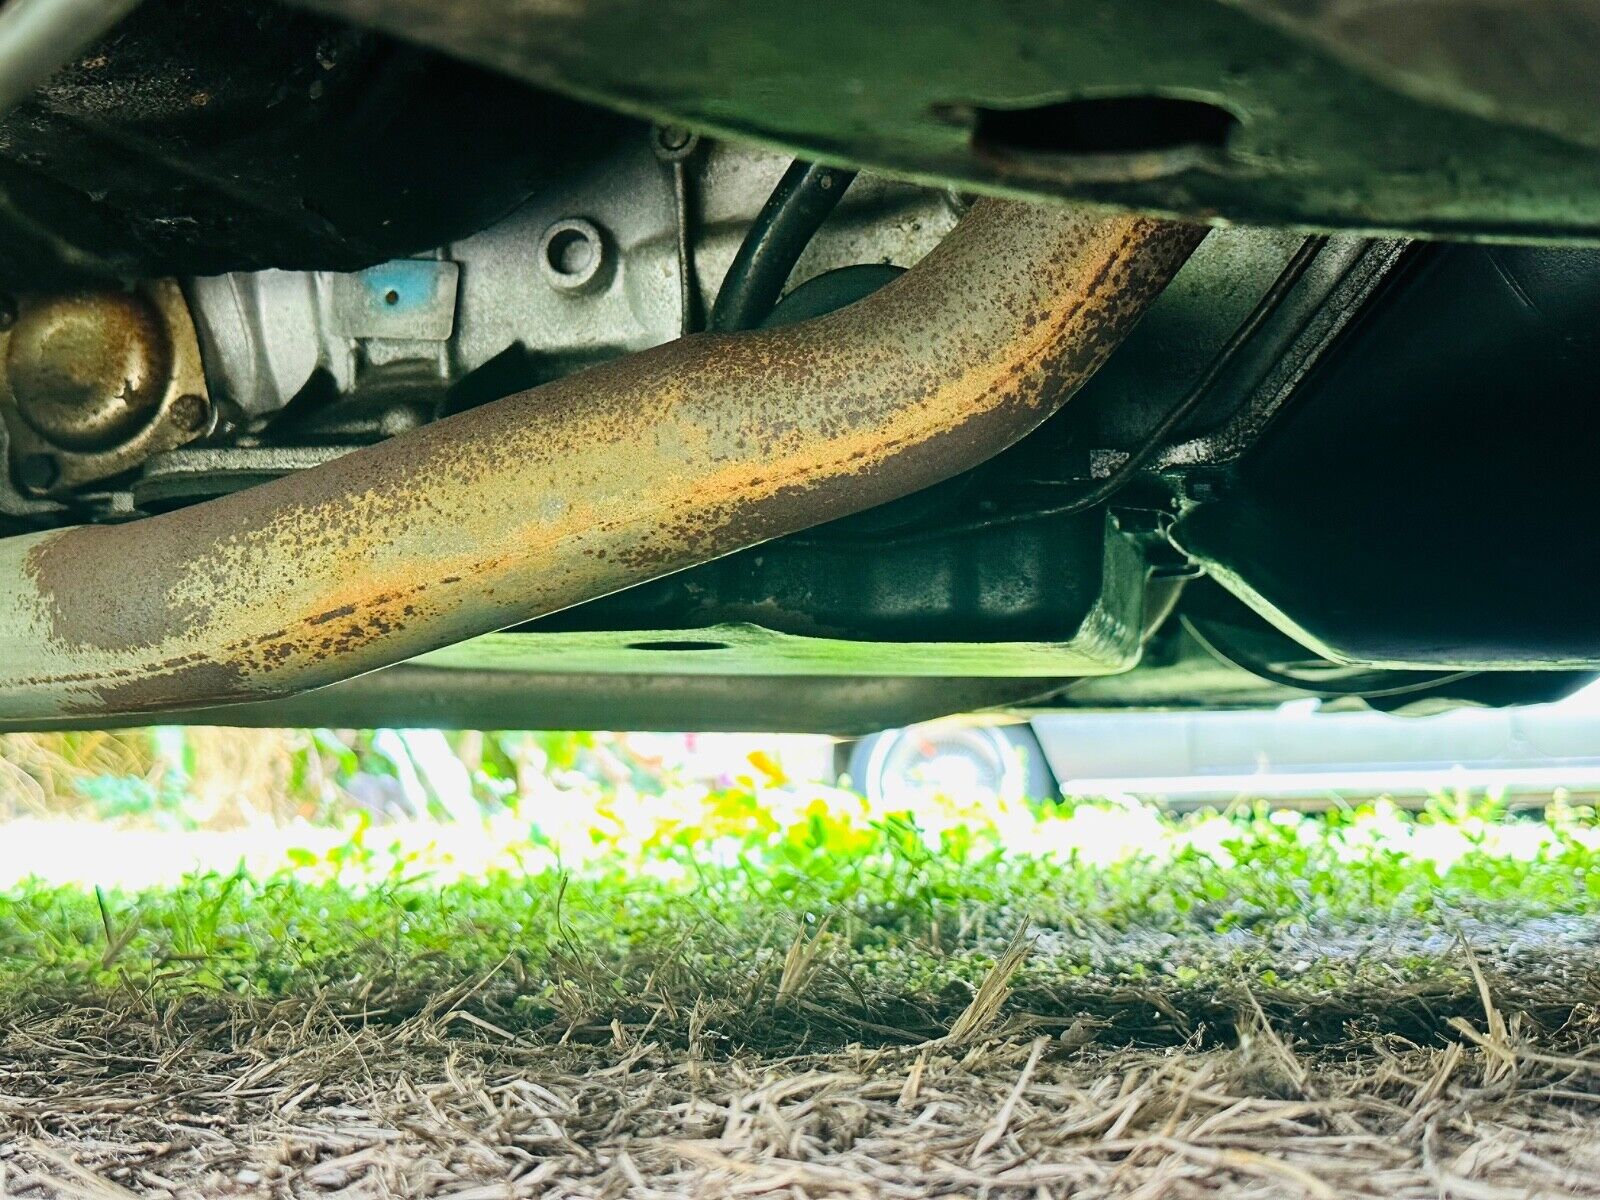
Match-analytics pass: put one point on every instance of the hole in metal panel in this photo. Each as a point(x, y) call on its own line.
point(1105, 125)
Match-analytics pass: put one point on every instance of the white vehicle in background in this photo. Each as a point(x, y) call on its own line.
point(1300, 752)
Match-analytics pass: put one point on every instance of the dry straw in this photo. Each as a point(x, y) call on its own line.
point(315, 1098)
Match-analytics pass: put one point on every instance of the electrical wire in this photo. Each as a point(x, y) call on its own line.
point(1153, 441)
point(1124, 472)
point(1372, 685)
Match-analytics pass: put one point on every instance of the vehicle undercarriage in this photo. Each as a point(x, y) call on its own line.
point(759, 366)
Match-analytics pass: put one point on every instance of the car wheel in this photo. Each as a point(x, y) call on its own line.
point(987, 763)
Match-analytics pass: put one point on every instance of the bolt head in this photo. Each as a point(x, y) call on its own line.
point(674, 143)
point(191, 413)
point(37, 473)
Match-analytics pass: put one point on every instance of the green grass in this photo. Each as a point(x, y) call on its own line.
point(720, 989)
point(778, 913)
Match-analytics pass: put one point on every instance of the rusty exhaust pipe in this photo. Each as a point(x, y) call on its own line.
point(592, 483)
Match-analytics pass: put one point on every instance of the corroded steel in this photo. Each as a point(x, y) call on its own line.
point(94, 382)
point(87, 372)
point(597, 481)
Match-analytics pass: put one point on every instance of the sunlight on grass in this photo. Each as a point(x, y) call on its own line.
point(589, 871)
point(743, 866)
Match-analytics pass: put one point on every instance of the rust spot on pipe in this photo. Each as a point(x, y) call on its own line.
point(603, 479)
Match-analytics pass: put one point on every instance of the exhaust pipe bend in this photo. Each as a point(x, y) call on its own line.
point(592, 483)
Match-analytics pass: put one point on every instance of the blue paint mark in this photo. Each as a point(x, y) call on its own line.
point(401, 286)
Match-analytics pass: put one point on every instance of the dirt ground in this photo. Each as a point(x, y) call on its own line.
point(1483, 1086)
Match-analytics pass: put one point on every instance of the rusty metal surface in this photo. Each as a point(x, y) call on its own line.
point(597, 481)
point(94, 382)
point(38, 36)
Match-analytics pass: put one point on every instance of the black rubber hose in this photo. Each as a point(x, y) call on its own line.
point(789, 219)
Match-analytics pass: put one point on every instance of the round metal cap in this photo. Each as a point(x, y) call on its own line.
point(89, 371)
point(573, 256)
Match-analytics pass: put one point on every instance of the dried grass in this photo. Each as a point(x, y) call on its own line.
point(217, 1097)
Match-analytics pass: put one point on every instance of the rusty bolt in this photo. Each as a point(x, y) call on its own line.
point(191, 413)
point(37, 473)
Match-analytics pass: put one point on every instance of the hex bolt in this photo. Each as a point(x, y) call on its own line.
point(191, 412)
point(37, 473)
point(673, 143)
